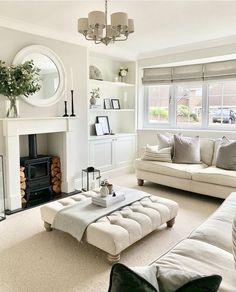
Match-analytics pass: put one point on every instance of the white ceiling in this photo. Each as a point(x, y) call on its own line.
point(159, 25)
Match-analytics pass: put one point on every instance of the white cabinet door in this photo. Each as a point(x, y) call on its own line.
point(125, 150)
point(102, 154)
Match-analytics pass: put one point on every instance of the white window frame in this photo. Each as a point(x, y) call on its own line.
point(172, 122)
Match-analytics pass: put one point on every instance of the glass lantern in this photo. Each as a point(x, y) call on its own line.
point(2, 194)
point(90, 179)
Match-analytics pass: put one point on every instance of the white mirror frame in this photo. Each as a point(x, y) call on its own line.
point(22, 54)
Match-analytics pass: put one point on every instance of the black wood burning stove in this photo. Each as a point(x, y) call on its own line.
point(37, 173)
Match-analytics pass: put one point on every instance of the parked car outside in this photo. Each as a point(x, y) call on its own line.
point(226, 116)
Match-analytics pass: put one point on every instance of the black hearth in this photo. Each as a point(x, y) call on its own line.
point(37, 173)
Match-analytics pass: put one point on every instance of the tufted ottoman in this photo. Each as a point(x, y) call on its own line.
point(120, 229)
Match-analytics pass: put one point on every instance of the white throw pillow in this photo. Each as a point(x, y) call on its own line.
point(165, 140)
point(218, 143)
point(153, 153)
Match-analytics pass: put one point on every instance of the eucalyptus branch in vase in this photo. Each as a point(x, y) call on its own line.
point(22, 79)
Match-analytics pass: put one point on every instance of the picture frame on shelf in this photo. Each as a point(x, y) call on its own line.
point(115, 103)
point(107, 103)
point(104, 121)
point(99, 129)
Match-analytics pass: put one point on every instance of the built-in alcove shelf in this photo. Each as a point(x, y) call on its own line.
point(60, 132)
point(118, 135)
point(112, 110)
point(110, 83)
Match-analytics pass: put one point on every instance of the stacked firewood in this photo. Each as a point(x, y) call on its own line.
point(56, 174)
point(22, 186)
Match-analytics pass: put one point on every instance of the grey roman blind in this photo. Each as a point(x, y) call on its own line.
point(198, 72)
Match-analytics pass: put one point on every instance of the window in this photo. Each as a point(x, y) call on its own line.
point(222, 104)
point(193, 104)
point(158, 104)
point(189, 105)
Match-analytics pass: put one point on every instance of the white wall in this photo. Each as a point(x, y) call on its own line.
point(72, 56)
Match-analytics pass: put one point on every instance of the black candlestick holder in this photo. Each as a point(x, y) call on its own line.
point(72, 103)
point(65, 114)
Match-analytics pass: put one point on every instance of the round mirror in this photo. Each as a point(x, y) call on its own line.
point(52, 75)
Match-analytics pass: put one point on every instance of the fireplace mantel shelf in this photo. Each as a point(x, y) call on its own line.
point(25, 126)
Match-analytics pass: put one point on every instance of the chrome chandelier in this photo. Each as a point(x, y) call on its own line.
point(96, 28)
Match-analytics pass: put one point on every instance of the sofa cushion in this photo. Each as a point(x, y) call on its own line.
point(216, 175)
point(216, 230)
point(234, 238)
point(126, 279)
point(207, 150)
point(170, 169)
point(186, 149)
point(202, 258)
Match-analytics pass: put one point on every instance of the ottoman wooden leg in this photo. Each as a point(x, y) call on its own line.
point(171, 222)
point(47, 226)
point(140, 182)
point(113, 258)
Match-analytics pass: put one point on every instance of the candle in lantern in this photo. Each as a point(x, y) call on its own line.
point(72, 79)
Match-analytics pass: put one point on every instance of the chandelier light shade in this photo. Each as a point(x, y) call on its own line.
point(96, 28)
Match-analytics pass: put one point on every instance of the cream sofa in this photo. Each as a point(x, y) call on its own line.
point(208, 249)
point(204, 178)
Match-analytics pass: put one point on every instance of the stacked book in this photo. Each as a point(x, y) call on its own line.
point(108, 200)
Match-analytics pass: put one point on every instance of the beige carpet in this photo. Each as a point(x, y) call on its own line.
point(34, 260)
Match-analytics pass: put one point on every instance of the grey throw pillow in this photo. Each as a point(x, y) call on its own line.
point(226, 157)
point(186, 149)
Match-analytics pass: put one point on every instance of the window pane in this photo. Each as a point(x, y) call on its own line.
point(189, 105)
point(158, 103)
point(222, 104)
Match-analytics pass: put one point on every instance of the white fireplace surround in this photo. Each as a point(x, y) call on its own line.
point(61, 137)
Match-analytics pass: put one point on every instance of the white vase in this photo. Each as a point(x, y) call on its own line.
point(12, 108)
point(104, 191)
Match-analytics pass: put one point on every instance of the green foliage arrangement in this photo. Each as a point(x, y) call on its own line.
point(22, 79)
point(95, 92)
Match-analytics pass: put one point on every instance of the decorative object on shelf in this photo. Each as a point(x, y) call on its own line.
point(22, 79)
point(104, 191)
point(72, 103)
point(98, 129)
point(90, 178)
point(103, 120)
point(95, 73)
point(107, 103)
point(115, 103)
point(95, 94)
point(2, 191)
point(65, 114)
point(96, 28)
point(123, 72)
point(110, 188)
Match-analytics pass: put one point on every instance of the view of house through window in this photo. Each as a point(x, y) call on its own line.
point(222, 104)
point(158, 103)
point(189, 105)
